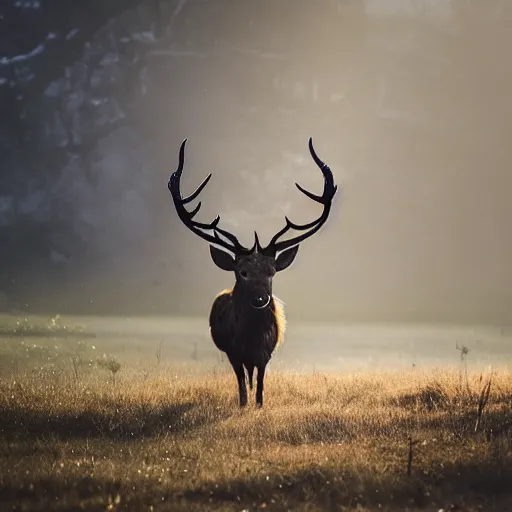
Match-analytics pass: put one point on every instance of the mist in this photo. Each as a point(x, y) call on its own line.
point(406, 101)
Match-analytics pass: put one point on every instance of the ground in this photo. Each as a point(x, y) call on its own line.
point(87, 424)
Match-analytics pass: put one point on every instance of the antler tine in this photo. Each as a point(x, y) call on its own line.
point(325, 199)
point(187, 217)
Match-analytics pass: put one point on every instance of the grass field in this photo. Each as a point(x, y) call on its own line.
point(83, 429)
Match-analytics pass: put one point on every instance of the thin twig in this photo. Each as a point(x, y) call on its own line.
point(409, 459)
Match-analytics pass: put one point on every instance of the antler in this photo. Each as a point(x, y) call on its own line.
point(325, 199)
point(187, 217)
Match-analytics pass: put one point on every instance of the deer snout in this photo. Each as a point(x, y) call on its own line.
point(260, 301)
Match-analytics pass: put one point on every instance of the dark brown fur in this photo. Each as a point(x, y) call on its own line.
point(246, 334)
point(247, 337)
point(247, 322)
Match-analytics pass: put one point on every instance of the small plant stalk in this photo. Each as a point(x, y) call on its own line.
point(159, 353)
point(482, 402)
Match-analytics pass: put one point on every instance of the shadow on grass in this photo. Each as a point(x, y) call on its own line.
point(331, 427)
point(457, 415)
point(461, 423)
point(463, 487)
point(471, 484)
point(52, 494)
point(113, 421)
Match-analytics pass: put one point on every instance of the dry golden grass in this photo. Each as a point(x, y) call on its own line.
point(175, 439)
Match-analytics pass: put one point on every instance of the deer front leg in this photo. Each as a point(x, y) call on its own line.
point(259, 386)
point(242, 388)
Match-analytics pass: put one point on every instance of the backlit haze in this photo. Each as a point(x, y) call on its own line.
point(407, 101)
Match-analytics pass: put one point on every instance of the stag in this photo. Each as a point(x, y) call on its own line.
point(247, 321)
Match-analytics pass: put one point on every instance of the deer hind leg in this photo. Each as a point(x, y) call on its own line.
point(259, 386)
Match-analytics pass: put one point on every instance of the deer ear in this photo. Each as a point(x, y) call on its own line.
point(222, 259)
point(285, 259)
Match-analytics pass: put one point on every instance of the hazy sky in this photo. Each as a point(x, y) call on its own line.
point(410, 106)
point(408, 101)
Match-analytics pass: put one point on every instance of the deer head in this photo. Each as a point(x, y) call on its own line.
point(254, 267)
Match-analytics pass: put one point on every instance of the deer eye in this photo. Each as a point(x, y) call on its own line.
point(243, 273)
